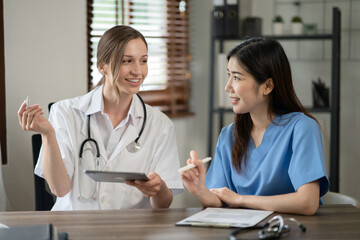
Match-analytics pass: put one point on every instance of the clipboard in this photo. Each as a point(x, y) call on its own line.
point(225, 218)
point(120, 177)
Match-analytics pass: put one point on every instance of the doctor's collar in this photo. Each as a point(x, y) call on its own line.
point(87, 105)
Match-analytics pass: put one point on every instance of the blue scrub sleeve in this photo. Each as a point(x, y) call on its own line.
point(216, 177)
point(308, 158)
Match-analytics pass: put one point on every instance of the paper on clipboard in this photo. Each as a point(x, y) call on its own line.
point(225, 217)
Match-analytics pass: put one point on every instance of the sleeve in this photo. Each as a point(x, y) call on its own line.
point(216, 175)
point(307, 163)
point(61, 123)
point(167, 158)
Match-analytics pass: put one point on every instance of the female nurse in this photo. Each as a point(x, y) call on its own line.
point(113, 115)
point(272, 156)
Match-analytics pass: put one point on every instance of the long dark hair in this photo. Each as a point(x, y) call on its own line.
point(111, 49)
point(263, 59)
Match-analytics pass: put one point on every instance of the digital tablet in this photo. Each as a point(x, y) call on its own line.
point(105, 176)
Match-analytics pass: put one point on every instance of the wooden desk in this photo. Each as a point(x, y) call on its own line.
point(331, 222)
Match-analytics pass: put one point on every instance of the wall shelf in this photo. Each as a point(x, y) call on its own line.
point(334, 110)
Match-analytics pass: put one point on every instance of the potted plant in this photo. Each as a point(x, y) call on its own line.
point(278, 25)
point(296, 25)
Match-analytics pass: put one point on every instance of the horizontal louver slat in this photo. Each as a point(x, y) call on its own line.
point(166, 31)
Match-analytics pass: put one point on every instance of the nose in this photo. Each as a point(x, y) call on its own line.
point(135, 69)
point(228, 86)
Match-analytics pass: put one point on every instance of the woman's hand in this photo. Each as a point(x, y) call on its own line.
point(31, 118)
point(304, 201)
point(229, 197)
point(155, 189)
point(194, 179)
point(148, 188)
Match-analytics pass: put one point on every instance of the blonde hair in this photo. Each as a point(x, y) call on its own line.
point(111, 49)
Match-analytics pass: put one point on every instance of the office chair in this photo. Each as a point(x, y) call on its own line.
point(44, 200)
point(338, 198)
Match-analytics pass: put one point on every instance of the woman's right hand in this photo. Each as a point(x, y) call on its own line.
point(194, 178)
point(31, 118)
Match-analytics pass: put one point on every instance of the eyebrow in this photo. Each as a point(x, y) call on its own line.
point(235, 72)
point(133, 56)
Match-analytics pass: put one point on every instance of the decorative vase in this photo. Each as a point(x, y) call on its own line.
point(297, 28)
point(278, 28)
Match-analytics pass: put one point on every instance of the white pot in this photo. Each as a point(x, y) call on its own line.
point(278, 28)
point(297, 28)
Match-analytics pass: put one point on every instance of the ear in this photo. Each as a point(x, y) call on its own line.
point(268, 86)
point(101, 68)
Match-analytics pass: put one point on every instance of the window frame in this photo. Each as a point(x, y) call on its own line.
point(174, 99)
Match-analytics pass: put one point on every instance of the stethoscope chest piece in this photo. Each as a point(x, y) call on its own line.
point(133, 147)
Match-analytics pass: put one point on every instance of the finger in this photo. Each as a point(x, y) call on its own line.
point(24, 115)
point(194, 155)
point(32, 113)
point(195, 171)
point(152, 175)
point(185, 175)
point(21, 111)
point(193, 175)
point(147, 192)
point(31, 116)
point(197, 162)
point(154, 179)
point(130, 183)
point(24, 120)
point(139, 187)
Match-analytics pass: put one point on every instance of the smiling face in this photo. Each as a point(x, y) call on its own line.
point(133, 68)
point(247, 96)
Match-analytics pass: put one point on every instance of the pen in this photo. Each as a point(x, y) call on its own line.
point(190, 166)
point(27, 102)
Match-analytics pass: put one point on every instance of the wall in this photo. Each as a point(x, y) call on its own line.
point(311, 59)
point(45, 57)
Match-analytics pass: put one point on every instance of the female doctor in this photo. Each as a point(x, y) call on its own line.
point(114, 117)
point(272, 156)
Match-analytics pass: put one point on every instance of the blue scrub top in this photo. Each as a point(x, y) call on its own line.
point(291, 154)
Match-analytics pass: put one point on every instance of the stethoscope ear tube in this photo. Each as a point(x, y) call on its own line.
point(89, 139)
point(145, 116)
point(134, 147)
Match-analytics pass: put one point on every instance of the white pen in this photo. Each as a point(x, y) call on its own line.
point(27, 102)
point(190, 166)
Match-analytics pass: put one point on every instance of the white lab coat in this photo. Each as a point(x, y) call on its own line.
point(158, 153)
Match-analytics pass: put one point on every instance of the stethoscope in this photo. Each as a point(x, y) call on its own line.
point(133, 147)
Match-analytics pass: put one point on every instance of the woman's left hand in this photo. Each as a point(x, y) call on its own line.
point(148, 188)
point(229, 197)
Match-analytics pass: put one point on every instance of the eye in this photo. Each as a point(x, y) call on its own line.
point(126, 61)
point(228, 75)
point(144, 61)
point(236, 78)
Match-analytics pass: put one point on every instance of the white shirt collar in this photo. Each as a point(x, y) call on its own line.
point(93, 102)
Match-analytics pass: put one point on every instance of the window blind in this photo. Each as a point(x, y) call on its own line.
point(164, 24)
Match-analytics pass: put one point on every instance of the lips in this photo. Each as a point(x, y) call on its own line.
point(234, 100)
point(133, 80)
